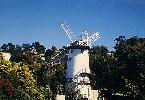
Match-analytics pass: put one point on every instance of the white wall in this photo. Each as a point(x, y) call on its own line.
point(79, 61)
point(94, 95)
point(6, 56)
point(60, 97)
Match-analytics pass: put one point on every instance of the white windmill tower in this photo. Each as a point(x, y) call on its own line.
point(78, 62)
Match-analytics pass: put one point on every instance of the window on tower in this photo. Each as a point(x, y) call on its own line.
point(72, 50)
point(69, 79)
point(82, 50)
point(69, 59)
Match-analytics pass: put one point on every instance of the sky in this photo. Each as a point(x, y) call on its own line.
point(27, 21)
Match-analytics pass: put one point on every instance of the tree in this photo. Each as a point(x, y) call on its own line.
point(130, 59)
point(18, 78)
point(4, 48)
point(17, 54)
point(7, 47)
point(38, 47)
point(14, 50)
point(27, 47)
point(104, 72)
point(31, 71)
point(101, 65)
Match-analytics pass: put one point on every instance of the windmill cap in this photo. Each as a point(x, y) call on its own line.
point(78, 47)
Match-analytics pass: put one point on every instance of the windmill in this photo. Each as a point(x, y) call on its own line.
point(78, 62)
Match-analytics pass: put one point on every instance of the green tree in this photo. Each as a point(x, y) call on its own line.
point(17, 54)
point(130, 62)
point(23, 82)
point(102, 70)
point(105, 72)
point(26, 47)
point(38, 47)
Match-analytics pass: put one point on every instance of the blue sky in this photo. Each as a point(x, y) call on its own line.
point(27, 21)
